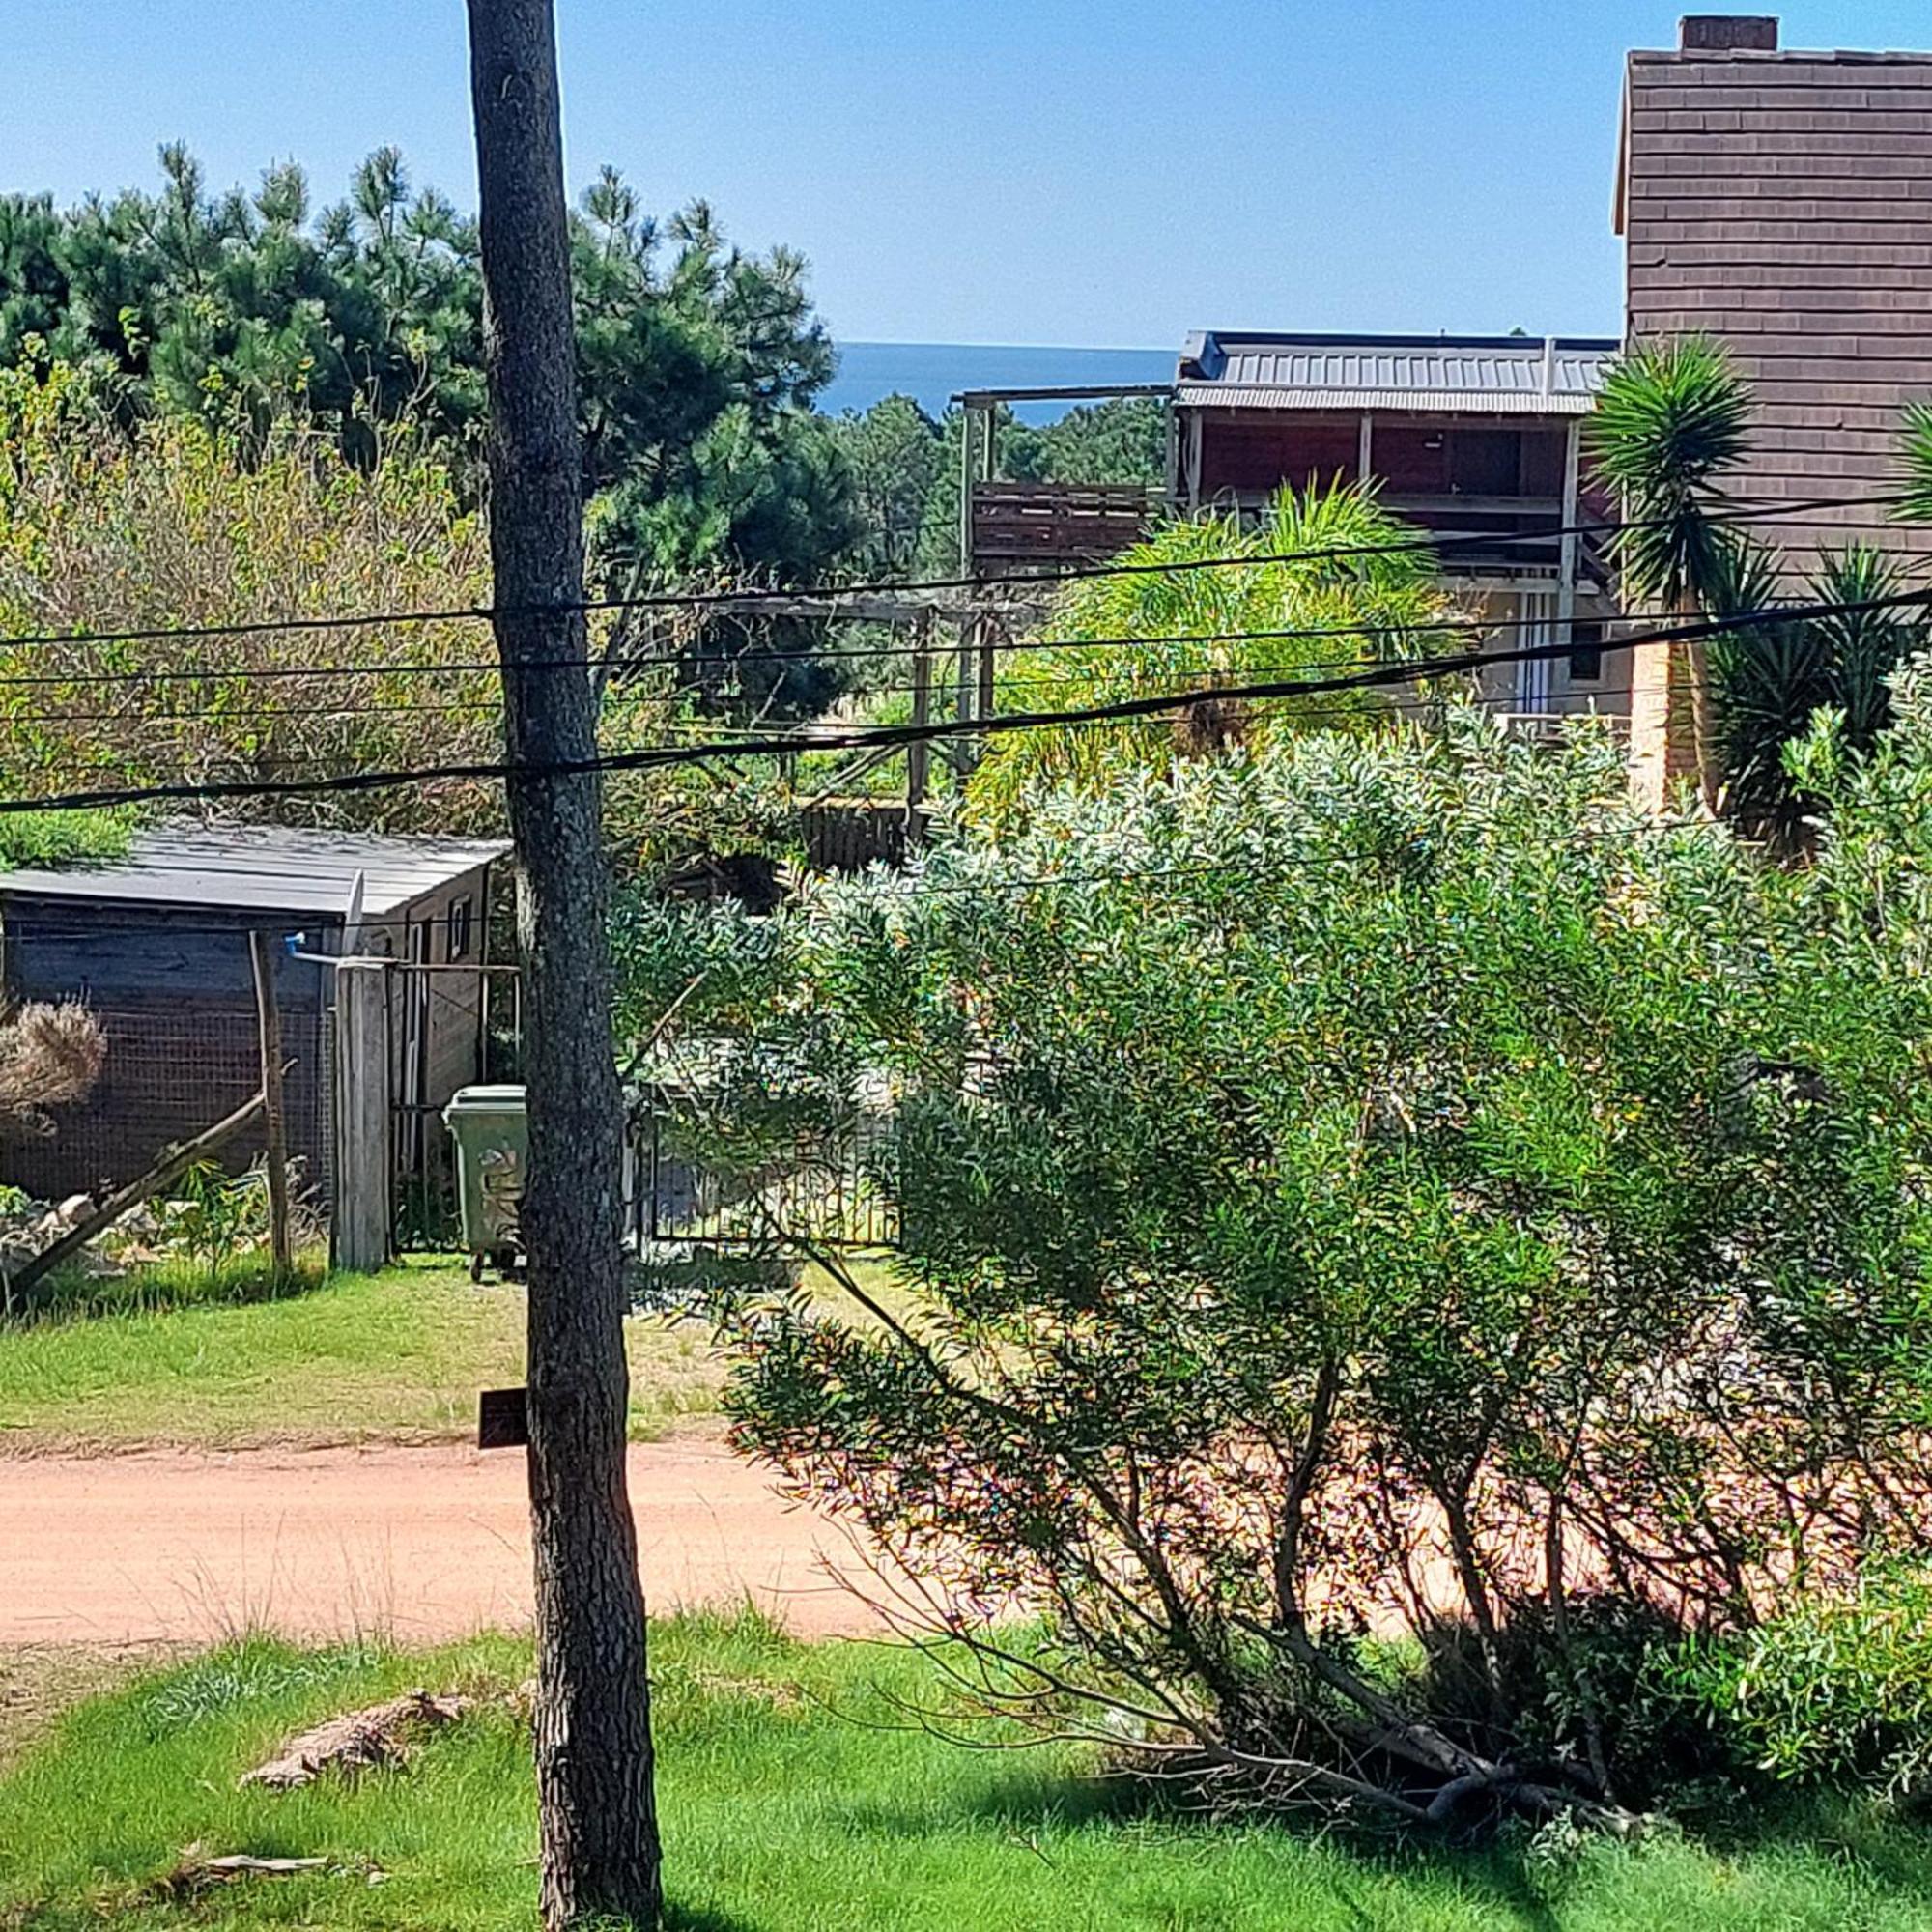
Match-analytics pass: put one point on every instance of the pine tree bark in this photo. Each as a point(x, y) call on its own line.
point(597, 1824)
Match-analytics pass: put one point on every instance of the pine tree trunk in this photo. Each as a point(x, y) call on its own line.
point(599, 1839)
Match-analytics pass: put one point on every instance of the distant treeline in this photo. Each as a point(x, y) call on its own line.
point(698, 363)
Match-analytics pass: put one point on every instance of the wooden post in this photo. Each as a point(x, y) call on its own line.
point(968, 436)
point(919, 752)
point(269, 1020)
point(358, 1222)
point(961, 751)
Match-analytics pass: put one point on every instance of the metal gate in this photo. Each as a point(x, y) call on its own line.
point(441, 1022)
point(832, 1190)
point(1532, 697)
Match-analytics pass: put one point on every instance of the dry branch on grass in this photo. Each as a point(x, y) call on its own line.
point(196, 1873)
point(380, 1735)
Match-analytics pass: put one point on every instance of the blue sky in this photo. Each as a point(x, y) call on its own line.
point(1106, 172)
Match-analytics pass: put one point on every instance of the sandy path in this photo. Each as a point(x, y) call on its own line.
point(418, 1543)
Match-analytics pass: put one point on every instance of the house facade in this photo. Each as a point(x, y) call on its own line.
point(1478, 439)
point(1780, 203)
point(1777, 201)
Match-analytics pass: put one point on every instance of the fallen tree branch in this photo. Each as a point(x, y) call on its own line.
point(357, 1741)
point(171, 1166)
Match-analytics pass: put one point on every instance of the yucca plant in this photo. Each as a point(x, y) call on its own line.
point(1771, 679)
point(1673, 421)
point(1767, 681)
point(1915, 460)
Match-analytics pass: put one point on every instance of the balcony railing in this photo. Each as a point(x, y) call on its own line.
point(1017, 526)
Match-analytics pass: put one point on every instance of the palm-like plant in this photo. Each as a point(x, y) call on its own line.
point(1771, 679)
point(1352, 583)
point(1915, 460)
point(1673, 421)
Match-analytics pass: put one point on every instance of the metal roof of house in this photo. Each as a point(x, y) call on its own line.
point(264, 868)
point(1477, 375)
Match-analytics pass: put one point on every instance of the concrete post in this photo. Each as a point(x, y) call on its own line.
point(358, 1233)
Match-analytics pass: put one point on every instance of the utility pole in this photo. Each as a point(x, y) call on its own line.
point(597, 1814)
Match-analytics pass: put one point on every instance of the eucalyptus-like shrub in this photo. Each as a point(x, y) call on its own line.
point(1380, 1188)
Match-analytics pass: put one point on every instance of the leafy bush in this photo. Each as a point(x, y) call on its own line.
point(1380, 1182)
point(213, 1217)
point(1837, 1686)
point(178, 523)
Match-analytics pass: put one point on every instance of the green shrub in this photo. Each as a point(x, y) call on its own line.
point(1836, 1689)
point(1333, 1175)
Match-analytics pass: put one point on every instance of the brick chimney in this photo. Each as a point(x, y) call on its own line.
point(1727, 34)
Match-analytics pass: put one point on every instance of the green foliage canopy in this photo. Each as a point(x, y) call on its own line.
point(1330, 1180)
point(698, 362)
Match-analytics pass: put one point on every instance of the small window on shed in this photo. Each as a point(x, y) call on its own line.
point(460, 920)
point(1586, 653)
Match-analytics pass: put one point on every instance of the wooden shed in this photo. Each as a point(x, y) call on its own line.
point(156, 944)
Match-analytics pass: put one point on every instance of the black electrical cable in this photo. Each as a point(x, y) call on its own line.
point(894, 736)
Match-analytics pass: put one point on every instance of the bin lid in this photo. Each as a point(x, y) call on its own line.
point(497, 1100)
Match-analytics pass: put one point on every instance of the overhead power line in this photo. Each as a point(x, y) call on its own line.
point(891, 736)
point(698, 600)
point(383, 667)
point(387, 667)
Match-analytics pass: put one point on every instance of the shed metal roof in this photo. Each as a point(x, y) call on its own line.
point(264, 868)
point(1480, 375)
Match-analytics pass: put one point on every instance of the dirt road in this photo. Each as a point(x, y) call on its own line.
point(418, 1543)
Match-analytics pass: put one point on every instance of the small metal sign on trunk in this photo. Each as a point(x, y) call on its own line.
point(503, 1419)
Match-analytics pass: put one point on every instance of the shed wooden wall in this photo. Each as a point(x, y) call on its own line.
point(1783, 203)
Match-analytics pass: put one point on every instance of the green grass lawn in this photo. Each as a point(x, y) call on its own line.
point(792, 1804)
point(397, 1356)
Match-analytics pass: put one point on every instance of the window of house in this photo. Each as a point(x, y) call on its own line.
point(1586, 653)
point(460, 920)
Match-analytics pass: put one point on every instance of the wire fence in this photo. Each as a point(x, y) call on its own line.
point(172, 1069)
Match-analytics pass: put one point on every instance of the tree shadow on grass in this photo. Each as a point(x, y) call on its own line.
point(1016, 1800)
point(1891, 1852)
point(701, 1919)
point(1892, 1845)
point(1022, 1805)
